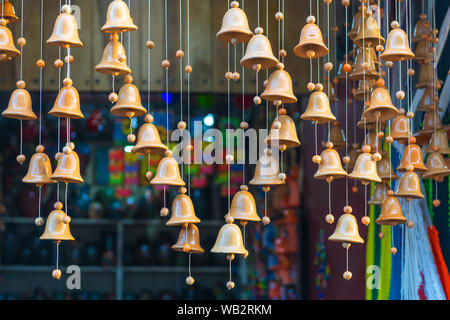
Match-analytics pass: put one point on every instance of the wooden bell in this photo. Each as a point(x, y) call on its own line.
point(330, 165)
point(311, 43)
point(439, 140)
point(68, 168)
point(385, 170)
point(436, 167)
point(279, 87)
point(114, 60)
point(397, 47)
point(357, 18)
point(191, 237)
point(243, 206)
point(65, 31)
point(391, 211)
point(369, 33)
point(118, 18)
point(337, 136)
point(400, 129)
point(346, 230)
point(67, 103)
point(182, 210)
point(370, 124)
point(229, 240)
point(19, 106)
point(148, 139)
point(235, 26)
point(259, 52)
point(129, 103)
point(381, 106)
point(422, 29)
point(168, 172)
point(364, 66)
point(422, 52)
point(365, 169)
point(427, 102)
point(428, 77)
point(409, 186)
point(318, 108)
point(57, 228)
point(361, 91)
point(39, 169)
point(7, 46)
point(286, 135)
point(412, 155)
point(7, 12)
point(379, 194)
point(267, 171)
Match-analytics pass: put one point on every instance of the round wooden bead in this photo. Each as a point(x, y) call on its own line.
point(316, 159)
point(40, 148)
point(348, 209)
point(21, 42)
point(283, 53)
point(259, 30)
point(230, 285)
point(310, 86)
point(265, 220)
point(347, 68)
point(69, 59)
point(410, 224)
point(40, 63)
point(400, 95)
point(243, 125)
point(58, 63)
point(164, 212)
point(20, 84)
point(310, 19)
point(21, 158)
point(131, 138)
point(393, 250)
point(279, 15)
point(256, 67)
point(188, 69)
point(346, 160)
point(150, 44)
point(381, 235)
point(355, 189)
point(179, 54)
point(436, 203)
point(365, 220)
point(229, 158)
point(181, 125)
point(257, 100)
point(229, 219)
point(345, 3)
point(389, 64)
point(277, 125)
point(236, 76)
point(376, 156)
point(329, 218)
point(347, 275)
point(56, 274)
point(165, 64)
point(282, 176)
point(328, 66)
point(189, 281)
point(39, 221)
point(113, 97)
point(379, 48)
point(187, 248)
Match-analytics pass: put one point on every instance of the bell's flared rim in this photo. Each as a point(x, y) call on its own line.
point(118, 28)
point(112, 69)
point(66, 179)
point(283, 97)
point(165, 182)
point(439, 172)
point(38, 180)
point(386, 112)
point(30, 115)
point(349, 239)
point(244, 216)
point(60, 112)
point(320, 50)
point(391, 221)
point(145, 149)
point(266, 181)
point(361, 75)
point(60, 238)
point(289, 143)
point(175, 222)
point(197, 249)
point(363, 178)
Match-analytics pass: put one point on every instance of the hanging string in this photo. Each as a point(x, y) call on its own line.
point(243, 114)
point(188, 89)
point(40, 72)
point(148, 57)
point(229, 125)
point(346, 100)
point(57, 254)
point(167, 86)
point(181, 86)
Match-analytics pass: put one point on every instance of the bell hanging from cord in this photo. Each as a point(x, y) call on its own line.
point(409, 185)
point(65, 31)
point(183, 211)
point(346, 230)
point(391, 211)
point(438, 141)
point(243, 207)
point(422, 29)
point(7, 12)
point(67, 103)
point(318, 108)
point(235, 27)
point(311, 43)
point(368, 32)
point(7, 46)
point(385, 170)
point(114, 59)
point(129, 103)
point(148, 139)
point(330, 166)
point(412, 155)
point(283, 132)
point(337, 136)
point(364, 66)
point(428, 77)
point(400, 128)
point(437, 167)
point(397, 47)
point(366, 167)
point(118, 18)
point(380, 107)
point(379, 194)
point(68, 167)
point(279, 87)
point(259, 54)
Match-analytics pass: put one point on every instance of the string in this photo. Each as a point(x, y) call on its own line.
point(65, 199)
point(148, 57)
point(188, 89)
point(243, 112)
point(229, 122)
point(129, 38)
point(167, 86)
point(40, 198)
point(346, 101)
point(190, 254)
point(40, 72)
point(181, 86)
point(346, 257)
point(57, 254)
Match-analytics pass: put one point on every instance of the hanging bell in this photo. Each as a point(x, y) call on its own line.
point(364, 66)
point(67, 104)
point(422, 52)
point(363, 90)
point(385, 170)
point(330, 165)
point(68, 168)
point(267, 171)
point(428, 101)
point(129, 103)
point(346, 230)
point(234, 26)
point(318, 109)
point(412, 155)
point(381, 107)
point(428, 77)
point(7, 46)
point(259, 52)
point(368, 32)
point(379, 194)
point(329, 89)
point(397, 47)
point(438, 141)
point(243, 206)
point(409, 186)
point(400, 129)
point(422, 29)
point(148, 139)
point(391, 211)
point(7, 12)
point(19, 106)
point(279, 87)
point(182, 210)
point(229, 240)
point(337, 136)
point(118, 18)
point(65, 31)
point(311, 43)
point(355, 24)
point(39, 169)
point(365, 168)
point(114, 60)
point(57, 227)
point(436, 167)
point(168, 172)
point(286, 135)
point(193, 240)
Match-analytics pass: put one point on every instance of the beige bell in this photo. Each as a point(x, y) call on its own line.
point(39, 169)
point(381, 107)
point(65, 31)
point(243, 206)
point(67, 104)
point(436, 166)
point(379, 194)
point(182, 210)
point(365, 169)
point(311, 43)
point(427, 102)
point(330, 165)
point(267, 171)
point(363, 57)
point(422, 29)
point(385, 170)
point(400, 128)
point(369, 32)
point(19, 106)
point(422, 52)
point(318, 109)
point(191, 237)
point(234, 26)
point(168, 172)
point(129, 103)
point(337, 136)
point(68, 168)
point(7, 12)
point(391, 211)
point(412, 155)
point(148, 139)
point(370, 124)
point(397, 47)
point(346, 230)
point(439, 140)
point(286, 135)
point(279, 87)
point(56, 227)
point(428, 77)
point(7, 43)
point(114, 60)
point(229, 240)
point(259, 52)
point(118, 18)
point(409, 186)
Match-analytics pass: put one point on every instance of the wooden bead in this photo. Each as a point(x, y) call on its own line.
point(234, 4)
point(228, 75)
point(229, 158)
point(67, 82)
point(164, 212)
point(113, 97)
point(66, 219)
point(229, 219)
point(410, 224)
point(188, 69)
point(69, 59)
point(20, 84)
point(346, 160)
point(411, 72)
point(187, 248)
point(380, 134)
point(355, 189)
point(347, 68)
point(379, 48)
point(310, 53)
point(21, 42)
point(347, 275)
point(346, 245)
point(40, 148)
point(310, 19)
point(56, 274)
point(131, 138)
point(376, 156)
point(319, 87)
point(236, 76)
point(265, 220)
point(189, 281)
point(256, 67)
point(394, 24)
point(329, 218)
point(400, 95)
point(21, 158)
point(3, 22)
point(348, 209)
point(366, 148)
point(179, 54)
point(436, 203)
point(316, 159)
point(149, 175)
point(259, 30)
point(389, 64)
point(181, 125)
point(381, 235)
point(283, 53)
point(39, 221)
point(380, 82)
point(150, 44)
point(328, 66)
point(279, 15)
point(230, 285)
point(257, 100)
point(345, 3)
point(58, 63)
point(410, 114)
point(310, 86)
point(282, 111)
point(165, 64)
point(40, 63)
point(282, 176)
point(365, 220)
point(393, 250)
point(277, 125)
